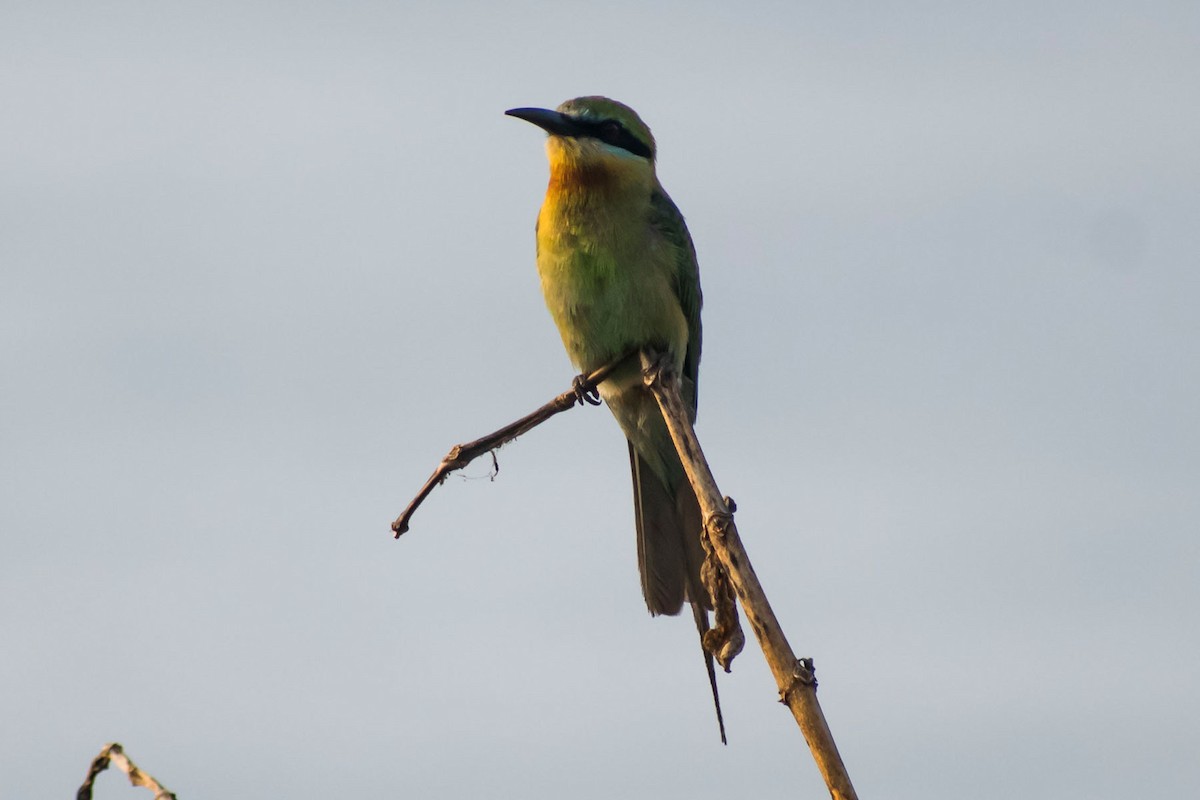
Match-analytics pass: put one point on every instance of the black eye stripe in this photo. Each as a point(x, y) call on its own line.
point(615, 134)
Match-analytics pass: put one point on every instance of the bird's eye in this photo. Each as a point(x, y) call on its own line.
point(614, 133)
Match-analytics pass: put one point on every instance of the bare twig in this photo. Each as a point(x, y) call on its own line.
point(726, 562)
point(795, 677)
point(463, 454)
point(113, 754)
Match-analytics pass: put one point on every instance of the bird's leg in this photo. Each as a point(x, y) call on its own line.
point(584, 392)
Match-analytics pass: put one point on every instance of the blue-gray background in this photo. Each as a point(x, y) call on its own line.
point(263, 263)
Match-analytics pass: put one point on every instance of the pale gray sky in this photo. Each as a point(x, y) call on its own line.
point(262, 265)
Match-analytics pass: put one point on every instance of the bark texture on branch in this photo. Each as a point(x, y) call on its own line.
point(795, 677)
point(114, 755)
point(584, 391)
point(726, 564)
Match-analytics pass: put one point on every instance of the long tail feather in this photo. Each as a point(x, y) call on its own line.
point(701, 617)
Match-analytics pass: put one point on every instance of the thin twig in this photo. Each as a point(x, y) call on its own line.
point(731, 566)
point(463, 454)
point(795, 677)
point(113, 754)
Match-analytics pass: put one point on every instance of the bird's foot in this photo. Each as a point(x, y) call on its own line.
point(584, 393)
point(655, 364)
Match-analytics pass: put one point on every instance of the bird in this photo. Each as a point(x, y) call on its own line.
point(619, 274)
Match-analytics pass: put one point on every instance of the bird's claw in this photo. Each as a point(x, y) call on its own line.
point(584, 393)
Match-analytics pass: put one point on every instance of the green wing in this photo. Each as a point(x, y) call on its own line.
point(665, 217)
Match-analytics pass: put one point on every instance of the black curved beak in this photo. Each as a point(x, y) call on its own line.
point(551, 122)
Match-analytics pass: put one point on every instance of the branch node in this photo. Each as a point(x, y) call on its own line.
point(804, 674)
point(718, 524)
point(656, 368)
point(806, 671)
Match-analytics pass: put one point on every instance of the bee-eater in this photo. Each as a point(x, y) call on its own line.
point(619, 274)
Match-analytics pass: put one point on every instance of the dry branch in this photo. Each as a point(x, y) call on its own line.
point(463, 454)
point(795, 677)
point(114, 755)
point(729, 565)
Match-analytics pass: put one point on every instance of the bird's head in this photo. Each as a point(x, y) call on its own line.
point(591, 134)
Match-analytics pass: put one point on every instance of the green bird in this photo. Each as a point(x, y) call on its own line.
point(619, 274)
